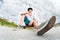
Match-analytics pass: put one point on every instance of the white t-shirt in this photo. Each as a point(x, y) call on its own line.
point(30, 17)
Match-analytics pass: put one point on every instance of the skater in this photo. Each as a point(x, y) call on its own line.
point(29, 19)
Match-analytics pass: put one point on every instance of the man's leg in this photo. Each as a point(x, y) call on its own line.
point(22, 20)
point(31, 23)
point(35, 24)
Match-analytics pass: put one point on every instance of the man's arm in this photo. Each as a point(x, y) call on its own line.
point(23, 14)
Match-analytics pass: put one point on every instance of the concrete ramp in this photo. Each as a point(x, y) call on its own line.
point(25, 34)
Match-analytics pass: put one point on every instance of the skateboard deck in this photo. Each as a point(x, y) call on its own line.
point(48, 25)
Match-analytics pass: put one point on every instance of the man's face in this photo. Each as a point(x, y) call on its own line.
point(30, 11)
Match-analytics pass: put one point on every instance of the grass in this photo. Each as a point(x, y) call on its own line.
point(5, 22)
point(57, 24)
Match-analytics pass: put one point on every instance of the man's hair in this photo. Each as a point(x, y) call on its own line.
point(30, 9)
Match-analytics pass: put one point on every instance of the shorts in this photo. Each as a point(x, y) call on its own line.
point(27, 21)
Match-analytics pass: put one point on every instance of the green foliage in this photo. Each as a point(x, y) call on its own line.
point(57, 24)
point(5, 22)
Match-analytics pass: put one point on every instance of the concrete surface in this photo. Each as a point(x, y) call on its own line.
point(25, 34)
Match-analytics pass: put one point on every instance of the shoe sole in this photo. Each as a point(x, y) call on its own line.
point(47, 26)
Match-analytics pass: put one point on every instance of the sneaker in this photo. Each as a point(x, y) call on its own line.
point(19, 26)
point(42, 24)
point(47, 26)
point(40, 27)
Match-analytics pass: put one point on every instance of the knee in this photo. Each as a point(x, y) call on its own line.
point(35, 21)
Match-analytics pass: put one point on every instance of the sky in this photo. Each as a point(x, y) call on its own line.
point(42, 9)
point(57, 8)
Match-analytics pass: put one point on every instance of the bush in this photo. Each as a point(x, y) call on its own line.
point(4, 22)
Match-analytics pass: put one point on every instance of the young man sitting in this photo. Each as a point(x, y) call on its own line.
point(29, 19)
